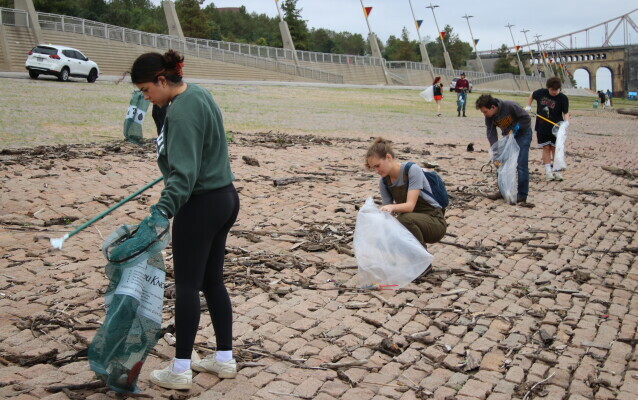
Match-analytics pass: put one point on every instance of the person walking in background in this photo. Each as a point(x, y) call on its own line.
point(601, 98)
point(552, 105)
point(461, 88)
point(610, 95)
point(438, 94)
point(512, 119)
point(192, 155)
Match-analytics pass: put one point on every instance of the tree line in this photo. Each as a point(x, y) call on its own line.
point(209, 22)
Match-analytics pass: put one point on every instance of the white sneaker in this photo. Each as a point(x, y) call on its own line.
point(166, 378)
point(558, 176)
point(549, 176)
point(224, 370)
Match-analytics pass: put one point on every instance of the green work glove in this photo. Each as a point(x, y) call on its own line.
point(147, 231)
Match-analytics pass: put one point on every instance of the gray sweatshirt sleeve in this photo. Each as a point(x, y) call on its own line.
point(492, 135)
point(386, 197)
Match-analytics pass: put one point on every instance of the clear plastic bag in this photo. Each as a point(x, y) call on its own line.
point(560, 132)
point(505, 155)
point(386, 252)
point(428, 93)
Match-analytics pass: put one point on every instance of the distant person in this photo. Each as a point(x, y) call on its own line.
point(610, 95)
point(405, 192)
point(512, 119)
point(438, 94)
point(601, 97)
point(554, 106)
point(462, 87)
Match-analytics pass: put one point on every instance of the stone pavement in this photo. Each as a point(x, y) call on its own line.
point(521, 303)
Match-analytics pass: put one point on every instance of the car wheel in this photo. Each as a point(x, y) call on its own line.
point(64, 74)
point(92, 76)
point(33, 74)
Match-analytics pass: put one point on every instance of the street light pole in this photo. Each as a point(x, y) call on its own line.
point(374, 46)
point(538, 44)
point(467, 17)
point(424, 51)
point(286, 38)
point(446, 56)
point(531, 54)
point(521, 69)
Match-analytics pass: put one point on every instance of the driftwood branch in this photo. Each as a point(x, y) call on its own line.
point(88, 385)
point(612, 191)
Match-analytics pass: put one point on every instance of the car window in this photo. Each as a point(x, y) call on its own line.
point(69, 53)
point(45, 50)
point(79, 56)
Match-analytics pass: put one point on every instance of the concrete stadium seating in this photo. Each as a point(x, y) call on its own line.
point(115, 58)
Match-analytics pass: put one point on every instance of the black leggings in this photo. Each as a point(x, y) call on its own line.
point(200, 229)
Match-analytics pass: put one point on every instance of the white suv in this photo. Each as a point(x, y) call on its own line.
point(63, 62)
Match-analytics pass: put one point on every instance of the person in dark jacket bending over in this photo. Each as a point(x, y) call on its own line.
point(198, 193)
point(512, 119)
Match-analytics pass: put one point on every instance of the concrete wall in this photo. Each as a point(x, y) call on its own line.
point(353, 74)
point(4, 65)
point(631, 71)
point(115, 58)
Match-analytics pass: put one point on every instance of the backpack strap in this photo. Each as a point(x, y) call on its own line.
point(406, 178)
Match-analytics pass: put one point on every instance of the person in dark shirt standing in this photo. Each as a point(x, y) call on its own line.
point(552, 105)
point(437, 87)
point(199, 195)
point(601, 97)
point(512, 119)
point(462, 87)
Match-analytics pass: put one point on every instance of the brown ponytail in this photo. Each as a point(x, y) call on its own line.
point(380, 147)
point(149, 66)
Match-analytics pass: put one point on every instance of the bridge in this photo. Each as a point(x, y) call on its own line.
point(621, 59)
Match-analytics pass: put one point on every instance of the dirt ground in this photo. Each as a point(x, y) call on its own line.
point(521, 303)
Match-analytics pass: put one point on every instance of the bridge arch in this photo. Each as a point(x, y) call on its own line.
point(604, 79)
point(583, 77)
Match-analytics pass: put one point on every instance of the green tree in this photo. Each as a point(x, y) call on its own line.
point(321, 40)
point(297, 26)
point(349, 43)
point(458, 50)
point(504, 63)
point(193, 19)
point(402, 49)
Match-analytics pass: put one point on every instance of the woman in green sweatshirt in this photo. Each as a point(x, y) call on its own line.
point(199, 195)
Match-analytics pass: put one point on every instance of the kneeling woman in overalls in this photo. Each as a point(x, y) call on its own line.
point(418, 211)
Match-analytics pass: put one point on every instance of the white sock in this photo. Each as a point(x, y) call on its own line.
point(181, 364)
point(224, 356)
point(548, 167)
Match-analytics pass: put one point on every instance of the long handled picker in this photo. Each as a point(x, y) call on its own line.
point(544, 119)
point(57, 243)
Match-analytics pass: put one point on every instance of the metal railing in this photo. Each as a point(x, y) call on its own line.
point(264, 57)
point(413, 65)
point(190, 46)
point(492, 78)
point(9, 16)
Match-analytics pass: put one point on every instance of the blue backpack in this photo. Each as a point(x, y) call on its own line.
point(436, 184)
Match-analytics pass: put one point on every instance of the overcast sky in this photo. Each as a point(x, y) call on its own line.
point(388, 17)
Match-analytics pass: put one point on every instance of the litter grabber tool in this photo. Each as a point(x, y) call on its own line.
point(57, 243)
point(544, 119)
